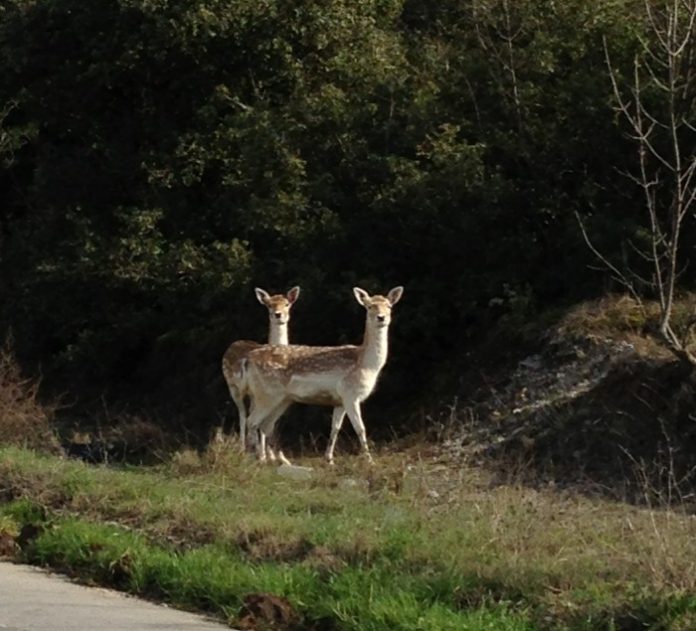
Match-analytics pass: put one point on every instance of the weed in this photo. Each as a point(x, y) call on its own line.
point(23, 420)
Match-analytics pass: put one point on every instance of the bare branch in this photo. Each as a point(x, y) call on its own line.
point(619, 275)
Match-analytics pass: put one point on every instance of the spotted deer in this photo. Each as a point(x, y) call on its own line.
point(279, 307)
point(338, 376)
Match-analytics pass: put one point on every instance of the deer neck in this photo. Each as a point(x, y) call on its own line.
point(373, 353)
point(278, 334)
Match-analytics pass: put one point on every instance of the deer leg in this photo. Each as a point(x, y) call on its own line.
point(258, 414)
point(260, 437)
point(337, 417)
point(272, 448)
point(279, 455)
point(261, 422)
point(241, 410)
point(355, 416)
point(270, 454)
point(268, 430)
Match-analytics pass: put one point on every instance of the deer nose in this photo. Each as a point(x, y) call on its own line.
point(381, 318)
point(278, 314)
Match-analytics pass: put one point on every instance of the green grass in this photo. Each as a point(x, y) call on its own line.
point(212, 578)
point(408, 544)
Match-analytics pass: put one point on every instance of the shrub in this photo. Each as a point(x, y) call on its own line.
point(24, 421)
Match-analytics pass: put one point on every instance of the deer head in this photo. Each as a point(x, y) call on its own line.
point(378, 307)
point(279, 305)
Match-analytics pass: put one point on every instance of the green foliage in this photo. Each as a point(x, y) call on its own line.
point(24, 512)
point(163, 157)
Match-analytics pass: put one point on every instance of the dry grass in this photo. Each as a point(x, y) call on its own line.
point(552, 542)
point(24, 421)
point(609, 314)
point(560, 540)
point(621, 316)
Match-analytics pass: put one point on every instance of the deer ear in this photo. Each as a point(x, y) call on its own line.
point(262, 296)
point(394, 295)
point(293, 294)
point(361, 296)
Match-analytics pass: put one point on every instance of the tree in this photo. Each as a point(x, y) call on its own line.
point(174, 154)
point(659, 107)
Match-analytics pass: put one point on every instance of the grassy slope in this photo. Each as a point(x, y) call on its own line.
point(407, 545)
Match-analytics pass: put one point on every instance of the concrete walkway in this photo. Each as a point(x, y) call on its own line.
point(34, 600)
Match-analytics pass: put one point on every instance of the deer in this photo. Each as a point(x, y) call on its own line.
point(338, 376)
point(279, 307)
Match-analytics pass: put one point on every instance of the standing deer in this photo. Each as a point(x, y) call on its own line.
point(338, 376)
point(233, 361)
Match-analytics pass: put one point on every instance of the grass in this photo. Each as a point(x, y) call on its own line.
point(408, 544)
point(621, 316)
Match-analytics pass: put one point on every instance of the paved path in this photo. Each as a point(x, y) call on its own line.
point(34, 600)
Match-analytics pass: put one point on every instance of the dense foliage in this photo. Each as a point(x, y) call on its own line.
point(160, 158)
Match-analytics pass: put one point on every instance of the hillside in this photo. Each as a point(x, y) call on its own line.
point(591, 399)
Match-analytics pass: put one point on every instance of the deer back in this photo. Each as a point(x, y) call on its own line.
point(231, 360)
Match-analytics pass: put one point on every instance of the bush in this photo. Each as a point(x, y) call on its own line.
point(24, 421)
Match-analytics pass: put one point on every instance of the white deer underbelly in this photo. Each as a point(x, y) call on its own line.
point(318, 389)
